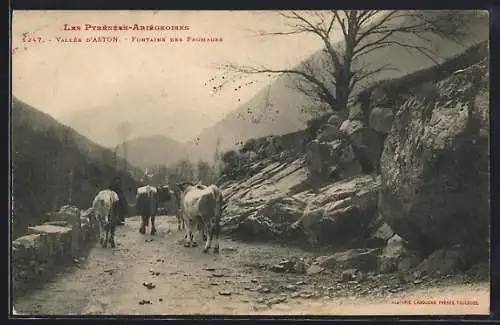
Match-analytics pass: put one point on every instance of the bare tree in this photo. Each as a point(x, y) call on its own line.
point(124, 130)
point(331, 81)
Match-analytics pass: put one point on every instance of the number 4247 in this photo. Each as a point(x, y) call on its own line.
point(32, 39)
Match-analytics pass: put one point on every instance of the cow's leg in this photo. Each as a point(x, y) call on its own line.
point(192, 239)
point(189, 234)
point(102, 230)
point(185, 229)
point(142, 229)
point(112, 228)
point(107, 235)
point(153, 228)
point(216, 233)
point(210, 230)
point(203, 227)
point(179, 222)
point(102, 233)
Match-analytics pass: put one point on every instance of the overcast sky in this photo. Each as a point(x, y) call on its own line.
point(60, 78)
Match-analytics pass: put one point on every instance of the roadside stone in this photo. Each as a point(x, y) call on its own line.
point(362, 259)
point(349, 275)
point(260, 307)
point(314, 269)
point(262, 289)
point(277, 300)
point(278, 268)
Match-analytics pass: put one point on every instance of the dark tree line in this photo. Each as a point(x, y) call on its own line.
point(49, 171)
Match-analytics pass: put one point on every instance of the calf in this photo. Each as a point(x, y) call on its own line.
point(147, 204)
point(105, 207)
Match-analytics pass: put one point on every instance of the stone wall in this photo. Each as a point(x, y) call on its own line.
point(60, 240)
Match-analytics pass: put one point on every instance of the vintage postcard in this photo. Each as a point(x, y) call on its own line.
point(330, 162)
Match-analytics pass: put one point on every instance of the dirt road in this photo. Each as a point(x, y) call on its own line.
point(186, 281)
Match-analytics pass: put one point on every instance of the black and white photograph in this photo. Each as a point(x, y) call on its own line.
point(235, 162)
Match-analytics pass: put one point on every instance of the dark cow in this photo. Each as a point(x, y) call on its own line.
point(170, 199)
point(147, 204)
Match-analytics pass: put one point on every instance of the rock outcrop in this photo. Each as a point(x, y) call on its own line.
point(435, 165)
point(262, 207)
point(406, 174)
point(340, 213)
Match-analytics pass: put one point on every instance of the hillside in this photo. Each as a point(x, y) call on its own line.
point(146, 152)
point(285, 114)
point(43, 153)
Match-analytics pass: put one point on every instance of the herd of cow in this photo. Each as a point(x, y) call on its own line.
point(196, 206)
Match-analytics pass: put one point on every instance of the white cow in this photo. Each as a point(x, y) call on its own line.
point(105, 207)
point(201, 205)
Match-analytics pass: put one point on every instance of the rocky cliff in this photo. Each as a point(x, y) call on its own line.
point(408, 175)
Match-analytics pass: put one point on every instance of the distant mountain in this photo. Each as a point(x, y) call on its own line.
point(100, 124)
point(285, 115)
point(146, 152)
point(52, 164)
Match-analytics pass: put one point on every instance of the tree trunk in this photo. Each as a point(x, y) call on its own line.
point(342, 94)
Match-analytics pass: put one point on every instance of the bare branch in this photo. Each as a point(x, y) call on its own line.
point(376, 26)
point(252, 70)
point(341, 23)
point(363, 73)
point(332, 79)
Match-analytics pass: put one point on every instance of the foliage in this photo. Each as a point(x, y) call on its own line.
point(48, 172)
point(183, 171)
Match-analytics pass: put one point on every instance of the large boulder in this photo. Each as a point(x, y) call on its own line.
point(435, 165)
point(442, 261)
point(349, 127)
point(262, 207)
point(271, 221)
point(329, 132)
point(367, 143)
point(340, 213)
point(380, 119)
point(333, 160)
point(315, 156)
point(396, 256)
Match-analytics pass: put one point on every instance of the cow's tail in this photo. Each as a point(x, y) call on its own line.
point(218, 208)
point(115, 212)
